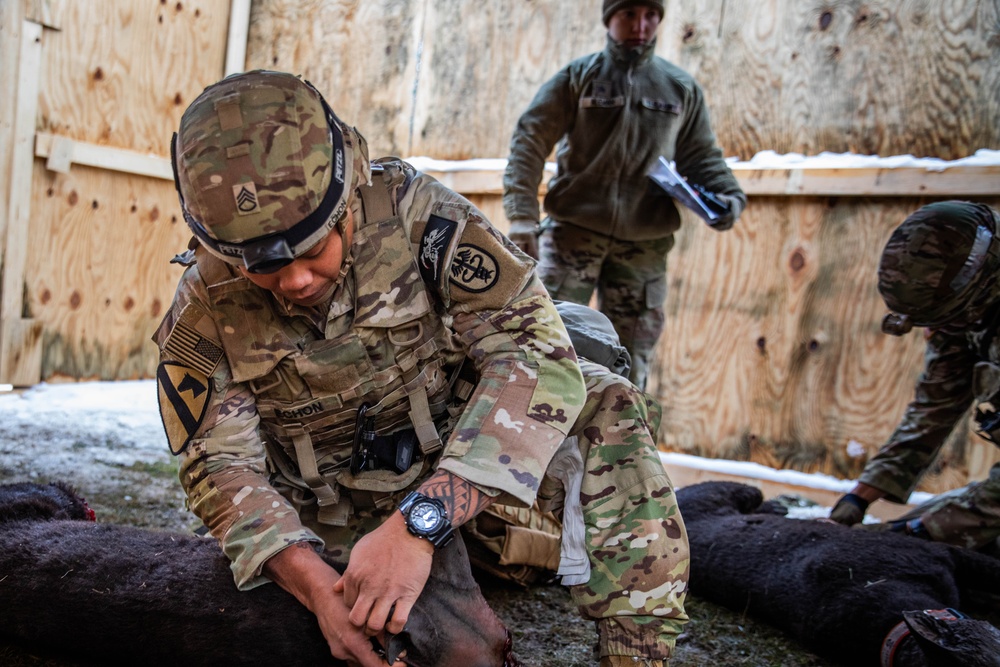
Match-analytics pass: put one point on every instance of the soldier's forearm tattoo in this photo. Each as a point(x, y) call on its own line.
point(462, 499)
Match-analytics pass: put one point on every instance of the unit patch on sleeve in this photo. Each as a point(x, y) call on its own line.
point(473, 269)
point(434, 248)
point(183, 394)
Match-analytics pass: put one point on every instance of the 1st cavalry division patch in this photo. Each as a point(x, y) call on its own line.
point(183, 396)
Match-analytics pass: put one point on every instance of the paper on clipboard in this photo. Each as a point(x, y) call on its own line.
point(666, 176)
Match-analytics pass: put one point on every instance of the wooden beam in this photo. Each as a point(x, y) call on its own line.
point(236, 43)
point(20, 342)
point(800, 181)
point(981, 180)
point(102, 157)
point(43, 13)
point(870, 181)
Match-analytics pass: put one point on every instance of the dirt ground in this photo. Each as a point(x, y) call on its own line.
point(124, 470)
point(547, 629)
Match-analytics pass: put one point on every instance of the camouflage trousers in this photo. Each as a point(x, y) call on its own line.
point(630, 279)
point(966, 517)
point(635, 537)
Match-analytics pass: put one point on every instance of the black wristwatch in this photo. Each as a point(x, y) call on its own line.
point(427, 517)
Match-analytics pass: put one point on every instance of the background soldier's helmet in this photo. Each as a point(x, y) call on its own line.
point(940, 267)
point(263, 168)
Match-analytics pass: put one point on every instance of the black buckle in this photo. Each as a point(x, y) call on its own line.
point(364, 436)
point(395, 452)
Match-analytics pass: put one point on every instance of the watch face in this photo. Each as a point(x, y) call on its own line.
point(425, 516)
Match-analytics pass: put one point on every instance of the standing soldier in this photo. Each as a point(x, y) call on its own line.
point(356, 359)
point(614, 114)
point(941, 270)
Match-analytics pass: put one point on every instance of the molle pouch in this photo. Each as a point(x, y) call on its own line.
point(339, 366)
point(396, 452)
point(381, 481)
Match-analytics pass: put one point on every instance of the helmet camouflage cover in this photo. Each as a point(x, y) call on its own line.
point(263, 168)
point(940, 265)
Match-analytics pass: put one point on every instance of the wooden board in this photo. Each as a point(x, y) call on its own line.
point(101, 303)
point(876, 77)
point(772, 350)
point(447, 78)
point(362, 57)
point(116, 76)
point(121, 73)
point(19, 352)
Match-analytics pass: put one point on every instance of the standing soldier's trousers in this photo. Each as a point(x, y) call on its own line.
point(630, 279)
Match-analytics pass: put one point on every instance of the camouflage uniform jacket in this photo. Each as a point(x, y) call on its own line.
point(613, 118)
point(959, 369)
point(429, 287)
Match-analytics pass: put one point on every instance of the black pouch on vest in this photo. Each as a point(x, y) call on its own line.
point(394, 452)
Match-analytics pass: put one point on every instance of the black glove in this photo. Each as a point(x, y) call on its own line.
point(727, 207)
point(913, 527)
point(849, 510)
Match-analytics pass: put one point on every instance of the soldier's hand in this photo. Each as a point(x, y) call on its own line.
point(524, 234)
point(728, 219)
point(849, 510)
point(300, 571)
point(347, 641)
point(385, 575)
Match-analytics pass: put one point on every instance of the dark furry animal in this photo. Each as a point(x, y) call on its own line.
point(42, 502)
point(838, 590)
point(122, 595)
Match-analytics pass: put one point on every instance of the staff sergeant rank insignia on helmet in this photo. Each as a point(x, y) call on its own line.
point(246, 198)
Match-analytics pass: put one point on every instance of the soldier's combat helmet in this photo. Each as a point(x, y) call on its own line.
point(940, 267)
point(263, 167)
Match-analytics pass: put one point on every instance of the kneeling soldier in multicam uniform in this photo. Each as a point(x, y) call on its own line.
point(356, 359)
point(941, 270)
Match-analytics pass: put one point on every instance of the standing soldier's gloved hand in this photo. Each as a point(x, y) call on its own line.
point(524, 234)
point(726, 220)
point(849, 510)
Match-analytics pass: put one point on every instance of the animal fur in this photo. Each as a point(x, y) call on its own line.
point(122, 595)
point(838, 590)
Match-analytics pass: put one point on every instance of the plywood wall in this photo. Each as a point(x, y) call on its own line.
point(449, 78)
point(116, 74)
point(446, 79)
point(876, 77)
point(772, 351)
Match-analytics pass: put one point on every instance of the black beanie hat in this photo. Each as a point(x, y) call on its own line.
point(612, 6)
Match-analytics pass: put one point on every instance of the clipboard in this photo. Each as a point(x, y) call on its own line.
point(665, 175)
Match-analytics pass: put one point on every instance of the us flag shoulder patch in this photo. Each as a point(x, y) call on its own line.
point(188, 346)
point(183, 394)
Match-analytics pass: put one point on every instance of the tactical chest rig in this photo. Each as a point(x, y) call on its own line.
point(382, 373)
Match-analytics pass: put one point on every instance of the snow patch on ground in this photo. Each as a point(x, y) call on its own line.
point(79, 430)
